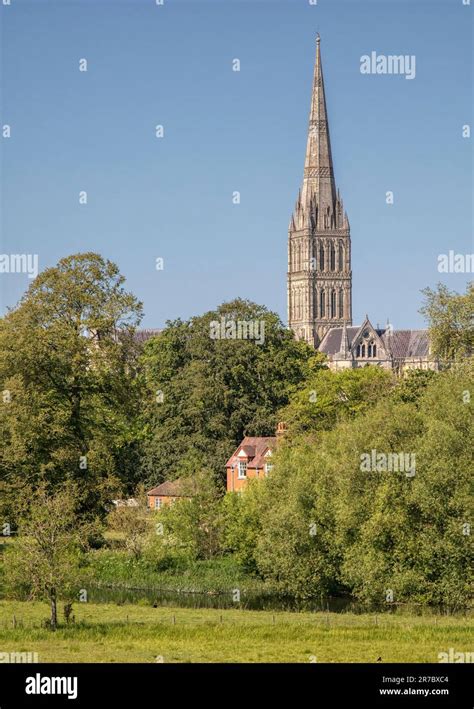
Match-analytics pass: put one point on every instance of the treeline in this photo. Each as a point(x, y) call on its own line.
point(325, 523)
point(370, 493)
point(84, 401)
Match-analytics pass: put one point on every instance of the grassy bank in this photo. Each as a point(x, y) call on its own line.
point(109, 633)
point(217, 575)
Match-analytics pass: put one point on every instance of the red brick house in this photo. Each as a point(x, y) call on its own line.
point(165, 494)
point(252, 459)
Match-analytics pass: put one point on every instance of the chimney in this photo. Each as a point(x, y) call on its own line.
point(281, 430)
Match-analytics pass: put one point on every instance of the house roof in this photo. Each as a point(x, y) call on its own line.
point(255, 448)
point(170, 488)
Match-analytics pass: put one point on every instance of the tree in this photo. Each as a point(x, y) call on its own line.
point(242, 524)
point(204, 394)
point(330, 523)
point(328, 397)
point(68, 362)
point(413, 385)
point(296, 545)
point(195, 522)
point(451, 322)
point(44, 561)
point(131, 524)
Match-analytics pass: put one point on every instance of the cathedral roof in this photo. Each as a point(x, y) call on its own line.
point(401, 343)
point(146, 333)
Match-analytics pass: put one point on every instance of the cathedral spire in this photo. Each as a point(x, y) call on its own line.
point(318, 170)
point(319, 244)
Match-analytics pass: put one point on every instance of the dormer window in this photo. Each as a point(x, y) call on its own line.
point(242, 469)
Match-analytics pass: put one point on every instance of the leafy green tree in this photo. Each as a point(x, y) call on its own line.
point(242, 524)
point(450, 318)
point(378, 533)
point(205, 394)
point(411, 535)
point(296, 544)
point(412, 386)
point(194, 524)
point(328, 397)
point(130, 523)
point(68, 362)
point(44, 562)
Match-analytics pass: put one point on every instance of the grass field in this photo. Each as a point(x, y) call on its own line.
point(131, 633)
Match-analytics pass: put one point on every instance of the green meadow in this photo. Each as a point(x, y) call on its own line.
point(139, 633)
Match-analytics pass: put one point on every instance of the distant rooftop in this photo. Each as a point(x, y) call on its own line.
point(146, 334)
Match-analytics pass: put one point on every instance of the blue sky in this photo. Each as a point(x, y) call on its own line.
point(226, 131)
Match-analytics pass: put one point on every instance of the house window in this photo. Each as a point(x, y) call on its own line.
point(157, 503)
point(268, 467)
point(242, 468)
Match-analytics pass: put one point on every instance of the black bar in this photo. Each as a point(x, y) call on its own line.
point(311, 685)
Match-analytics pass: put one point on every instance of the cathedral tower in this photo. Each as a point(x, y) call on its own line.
point(319, 243)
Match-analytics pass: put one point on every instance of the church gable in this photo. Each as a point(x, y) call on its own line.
point(367, 344)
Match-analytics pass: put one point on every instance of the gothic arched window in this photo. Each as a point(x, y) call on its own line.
point(333, 303)
point(341, 304)
point(322, 304)
point(321, 257)
point(341, 257)
point(333, 258)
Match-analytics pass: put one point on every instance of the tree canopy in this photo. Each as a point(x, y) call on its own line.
point(67, 366)
point(205, 394)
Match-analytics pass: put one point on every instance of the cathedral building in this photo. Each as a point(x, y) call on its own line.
point(319, 284)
